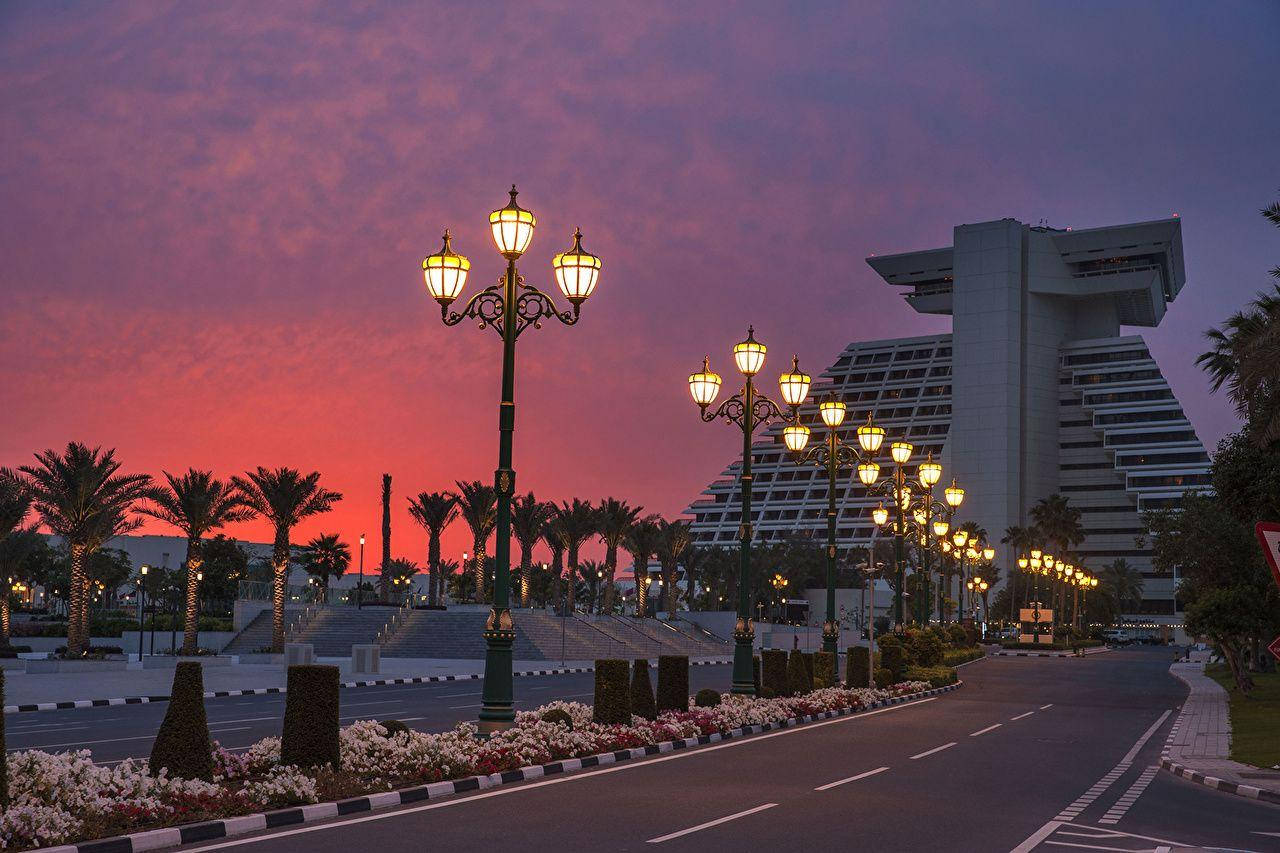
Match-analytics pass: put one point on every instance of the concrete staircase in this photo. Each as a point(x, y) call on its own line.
point(256, 636)
point(581, 639)
point(672, 640)
point(441, 634)
point(332, 631)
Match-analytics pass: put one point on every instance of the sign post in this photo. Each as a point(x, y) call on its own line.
point(1268, 533)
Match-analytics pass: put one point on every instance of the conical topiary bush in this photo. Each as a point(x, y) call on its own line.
point(612, 703)
point(642, 702)
point(673, 683)
point(310, 736)
point(799, 682)
point(182, 745)
point(773, 672)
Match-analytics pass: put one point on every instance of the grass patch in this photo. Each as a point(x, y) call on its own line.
point(1253, 718)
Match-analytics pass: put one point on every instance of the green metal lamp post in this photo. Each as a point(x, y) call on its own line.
point(832, 455)
point(508, 307)
point(749, 409)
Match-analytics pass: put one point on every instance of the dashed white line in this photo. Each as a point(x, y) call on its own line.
point(987, 729)
point(710, 823)
point(1122, 805)
point(1046, 707)
point(932, 751)
point(1020, 716)
point(830, 785)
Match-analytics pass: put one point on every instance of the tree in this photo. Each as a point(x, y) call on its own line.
point(81, 496)
point(1123, 583)
point(1020, 539)
point(400, 574)
point(591, 572)
point(326, 558)
point(434, 511)
point(615, 519)
point(196, 503)
point(478, 505)
point(25, 557)
point(386, 536)
point(554, 539)
point(528, 520)
point(284, 497)
point(641, 542)
point(673, 540)
point(226, 563)
point(575, 524)
point(15, 503)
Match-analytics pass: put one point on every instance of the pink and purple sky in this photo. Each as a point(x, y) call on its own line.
point(214, 214)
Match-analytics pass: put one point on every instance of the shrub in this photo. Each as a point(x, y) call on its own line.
point(808, 667)
point(824, 670)
point(798, 680)
point(957, 635)
point(926, 648)
point(673, 683)
point(937, 676)
point(954, 657)
point(394, 727)
point(884, 677)
point(773, 672)
point(889, 641)
point(755, 672)
point(895, 660)
point(310, 735)
point(612, 702)
point(939, 632)
point(767, 693)
point(642, 703)
point(182, 744)
point(707, 698)
point(4, 762)
point(855, 666)
point(558, 716)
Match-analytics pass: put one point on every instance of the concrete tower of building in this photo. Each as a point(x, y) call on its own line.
point(1035, 391)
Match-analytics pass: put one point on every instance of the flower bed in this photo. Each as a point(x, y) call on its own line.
point(63, 798)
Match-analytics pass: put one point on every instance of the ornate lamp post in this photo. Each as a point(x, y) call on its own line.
point(748, 409)
point(508, 307)
point(832, 455)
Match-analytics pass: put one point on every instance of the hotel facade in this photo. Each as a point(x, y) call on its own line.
point(1034, 391)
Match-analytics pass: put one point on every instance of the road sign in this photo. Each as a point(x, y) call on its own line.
point(1268, 533)
point(1274, 648)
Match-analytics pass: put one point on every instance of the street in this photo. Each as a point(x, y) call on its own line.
point(1031, 754)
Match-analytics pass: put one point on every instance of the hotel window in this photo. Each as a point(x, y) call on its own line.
point(1141, 417)
point(1172, 480)
point(1128, 397)
point(1162, 459)
point(1151, 437)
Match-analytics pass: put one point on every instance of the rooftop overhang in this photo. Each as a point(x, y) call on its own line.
point(1161, 239)
point(926, 275)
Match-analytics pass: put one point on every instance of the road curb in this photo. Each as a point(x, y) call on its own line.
point(172, 836)
point(72, 704)
point(1087, 652)
point(1249, 791)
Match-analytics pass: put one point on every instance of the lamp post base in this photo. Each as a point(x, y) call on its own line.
point(744, 670)
point(497, 710)
point(831, 637)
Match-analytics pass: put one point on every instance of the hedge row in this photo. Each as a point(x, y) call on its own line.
point(622, 690)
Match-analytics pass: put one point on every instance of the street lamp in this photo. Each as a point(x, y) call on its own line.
point(748, 409)
point(509, 307)
point(360, 585)
point(142, 605)
point(831, 455)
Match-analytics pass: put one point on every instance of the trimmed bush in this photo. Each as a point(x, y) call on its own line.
point(824, 670)
point(642, 703)
point(673, 683)
point(937, 676)
point(884, 677)
point(182, 744)
point(310, 737)
point(559, 716)
point(773, 672)
point(767, 693)
point(4, 761)
point(895, 660)
point(799, 682)
point(957, 636)
point(855, 666)
point(808, 666)
point(926, 648)
point(952, 657)
point(613, 692)
point(394, 727)
point(707, 698)
point(755, 671)
point(889, 641)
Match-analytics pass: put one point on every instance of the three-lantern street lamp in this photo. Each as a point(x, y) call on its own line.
point(833, 454)
point(508, 306)
point(749, 410)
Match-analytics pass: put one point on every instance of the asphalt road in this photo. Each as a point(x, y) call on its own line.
point(997, 766)
point(236, 722)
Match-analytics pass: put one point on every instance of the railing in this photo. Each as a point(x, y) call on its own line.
point(393, 624)
point(302, 620)
point(650, 643)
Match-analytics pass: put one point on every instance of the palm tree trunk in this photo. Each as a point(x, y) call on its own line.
point(280, 586)
point(190, 627)
point(610, 569)
point(573, 578)
point(642, 588)
point(669, 590)
point(477, 569)
point(526, 575)
point(4, 618)
point(433, 566)
point(76, 609)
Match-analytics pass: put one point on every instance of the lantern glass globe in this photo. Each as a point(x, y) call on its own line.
point(900, 451)
point(749, 354)
point(445, 273)
point(940, 528)
point(796, 437)
point(704, 385)
point(794, 385)
point(832, 411)
point(512, 227)
point(870, 436)
point(880, 515)
point(577, 270)
point(868, 473)
point(930, 472)
point(954, 494)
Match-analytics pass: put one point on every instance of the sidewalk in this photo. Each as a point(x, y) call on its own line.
point(1200, 741)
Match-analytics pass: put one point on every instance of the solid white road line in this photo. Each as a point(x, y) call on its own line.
point(830, 785)
point(456, 695)
point(242, 720)
point(987, 729)
point(84, 742)
point(232, 729)
point(1036, 837)
point(463, 707)
point(379, 702)
point(1093, 847)
point(932, 751)
point(1020, 716)
point(710, 823)
point(1136, 790)
point(1142, 741)
point(507, 790)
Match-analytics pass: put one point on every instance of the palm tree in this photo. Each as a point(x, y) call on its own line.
point(554, 539)
point(447, 569)
point(284, 497)
point(434, 511)
point(1123, 583)
point(197, 504)
point(400, 573)
point(673, 539)
point(615, 519)
point(591, 572)
point(386, 536)
point(641, 542)
point(81, 496)
point(15, 503)
point(528, 520)
point(478, 505)
point(1020, 539)
point(326, 558)
point(696, 561)
point(575, 524)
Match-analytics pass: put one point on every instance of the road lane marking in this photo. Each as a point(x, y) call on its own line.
point(232, 729)
point(1086, 799)
point(830, 785)
point(987, 729)
point(710, 823)
point(1046, 707)
point(82, 742)
point(379, 702)
point(1036, 837)
point(1020, 716)
point(1142, 741)
point(559, 780)
point(463, 707)
point(1136, 790)
point(932, 751)
point(1093, 847)
point(456, 695)
point(242, 720)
